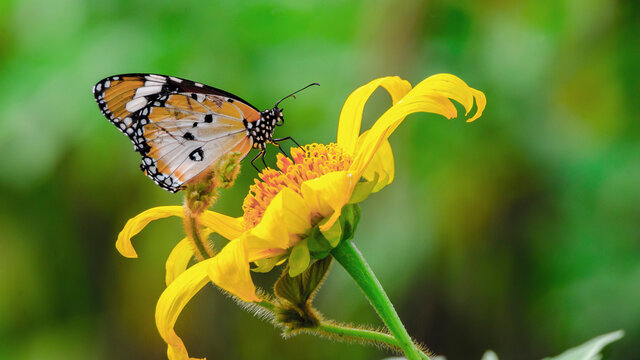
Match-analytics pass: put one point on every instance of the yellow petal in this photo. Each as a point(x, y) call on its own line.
point(178, 260)
point(327, 195)
point(230, 271)
point(227, 226)
point(381, 165)
point(433, 96)
point(447, 86)
point(287, 215)
point(170, 304)
point(351, 114)
point(137, 223)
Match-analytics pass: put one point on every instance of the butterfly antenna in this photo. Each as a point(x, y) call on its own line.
point(294, 93)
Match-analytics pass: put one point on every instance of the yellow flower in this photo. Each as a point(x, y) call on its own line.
point(310, 192)
point(313, 189)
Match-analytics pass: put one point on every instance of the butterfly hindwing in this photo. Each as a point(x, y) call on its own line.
point(180, 127)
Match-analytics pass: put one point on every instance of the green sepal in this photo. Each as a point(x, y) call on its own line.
point(299, 290)
point(266, 265)
point(349, 220)
point(321, 243)
point(319, 246)
point(299, 258)
point(363, 189)
point(334, 233)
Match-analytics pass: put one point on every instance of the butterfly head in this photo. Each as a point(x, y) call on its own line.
point(277, 114)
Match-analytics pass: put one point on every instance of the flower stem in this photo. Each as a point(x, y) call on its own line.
point(354, 263)
point(366, 335)
point(192, 228)
point(267, 305)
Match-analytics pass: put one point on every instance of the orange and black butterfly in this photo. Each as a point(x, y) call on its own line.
point(181, 127)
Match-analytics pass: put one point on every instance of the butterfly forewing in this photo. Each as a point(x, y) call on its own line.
point(180, 127)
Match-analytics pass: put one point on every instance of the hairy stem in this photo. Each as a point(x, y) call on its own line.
point(202, 249)
point(359, 334)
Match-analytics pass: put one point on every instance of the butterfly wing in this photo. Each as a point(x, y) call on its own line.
point(180, 127)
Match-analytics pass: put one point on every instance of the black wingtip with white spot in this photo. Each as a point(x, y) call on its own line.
point(133, 124)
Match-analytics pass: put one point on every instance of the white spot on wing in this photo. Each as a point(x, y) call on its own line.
point(178, 80)
point(147, 90)
point(156, 78)
point(136, 104)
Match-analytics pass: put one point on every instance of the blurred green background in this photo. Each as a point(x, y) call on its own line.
point(519, 232)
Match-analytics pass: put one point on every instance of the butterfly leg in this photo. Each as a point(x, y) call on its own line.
point(282, 150)
point(287, 138)
point(261, 153)
point(264, 152)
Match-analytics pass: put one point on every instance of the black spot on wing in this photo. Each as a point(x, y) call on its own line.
point(197, 155)
point(188, 136)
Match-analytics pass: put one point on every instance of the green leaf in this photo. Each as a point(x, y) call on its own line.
point(591, 349)
point(299, 258)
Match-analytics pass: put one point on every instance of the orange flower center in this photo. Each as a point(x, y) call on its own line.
point(312, 162)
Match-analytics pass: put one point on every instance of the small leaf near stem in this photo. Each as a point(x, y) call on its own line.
point(295, 294)
point(354, 263)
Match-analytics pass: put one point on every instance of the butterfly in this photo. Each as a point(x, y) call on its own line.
point(181, 127)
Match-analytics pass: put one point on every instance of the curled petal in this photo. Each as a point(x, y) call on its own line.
point(351, 114)
point(230, 271)
point(447, 86)
point(137, 223)
point(433, 95)
point(226, 226)
point(170, 304)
